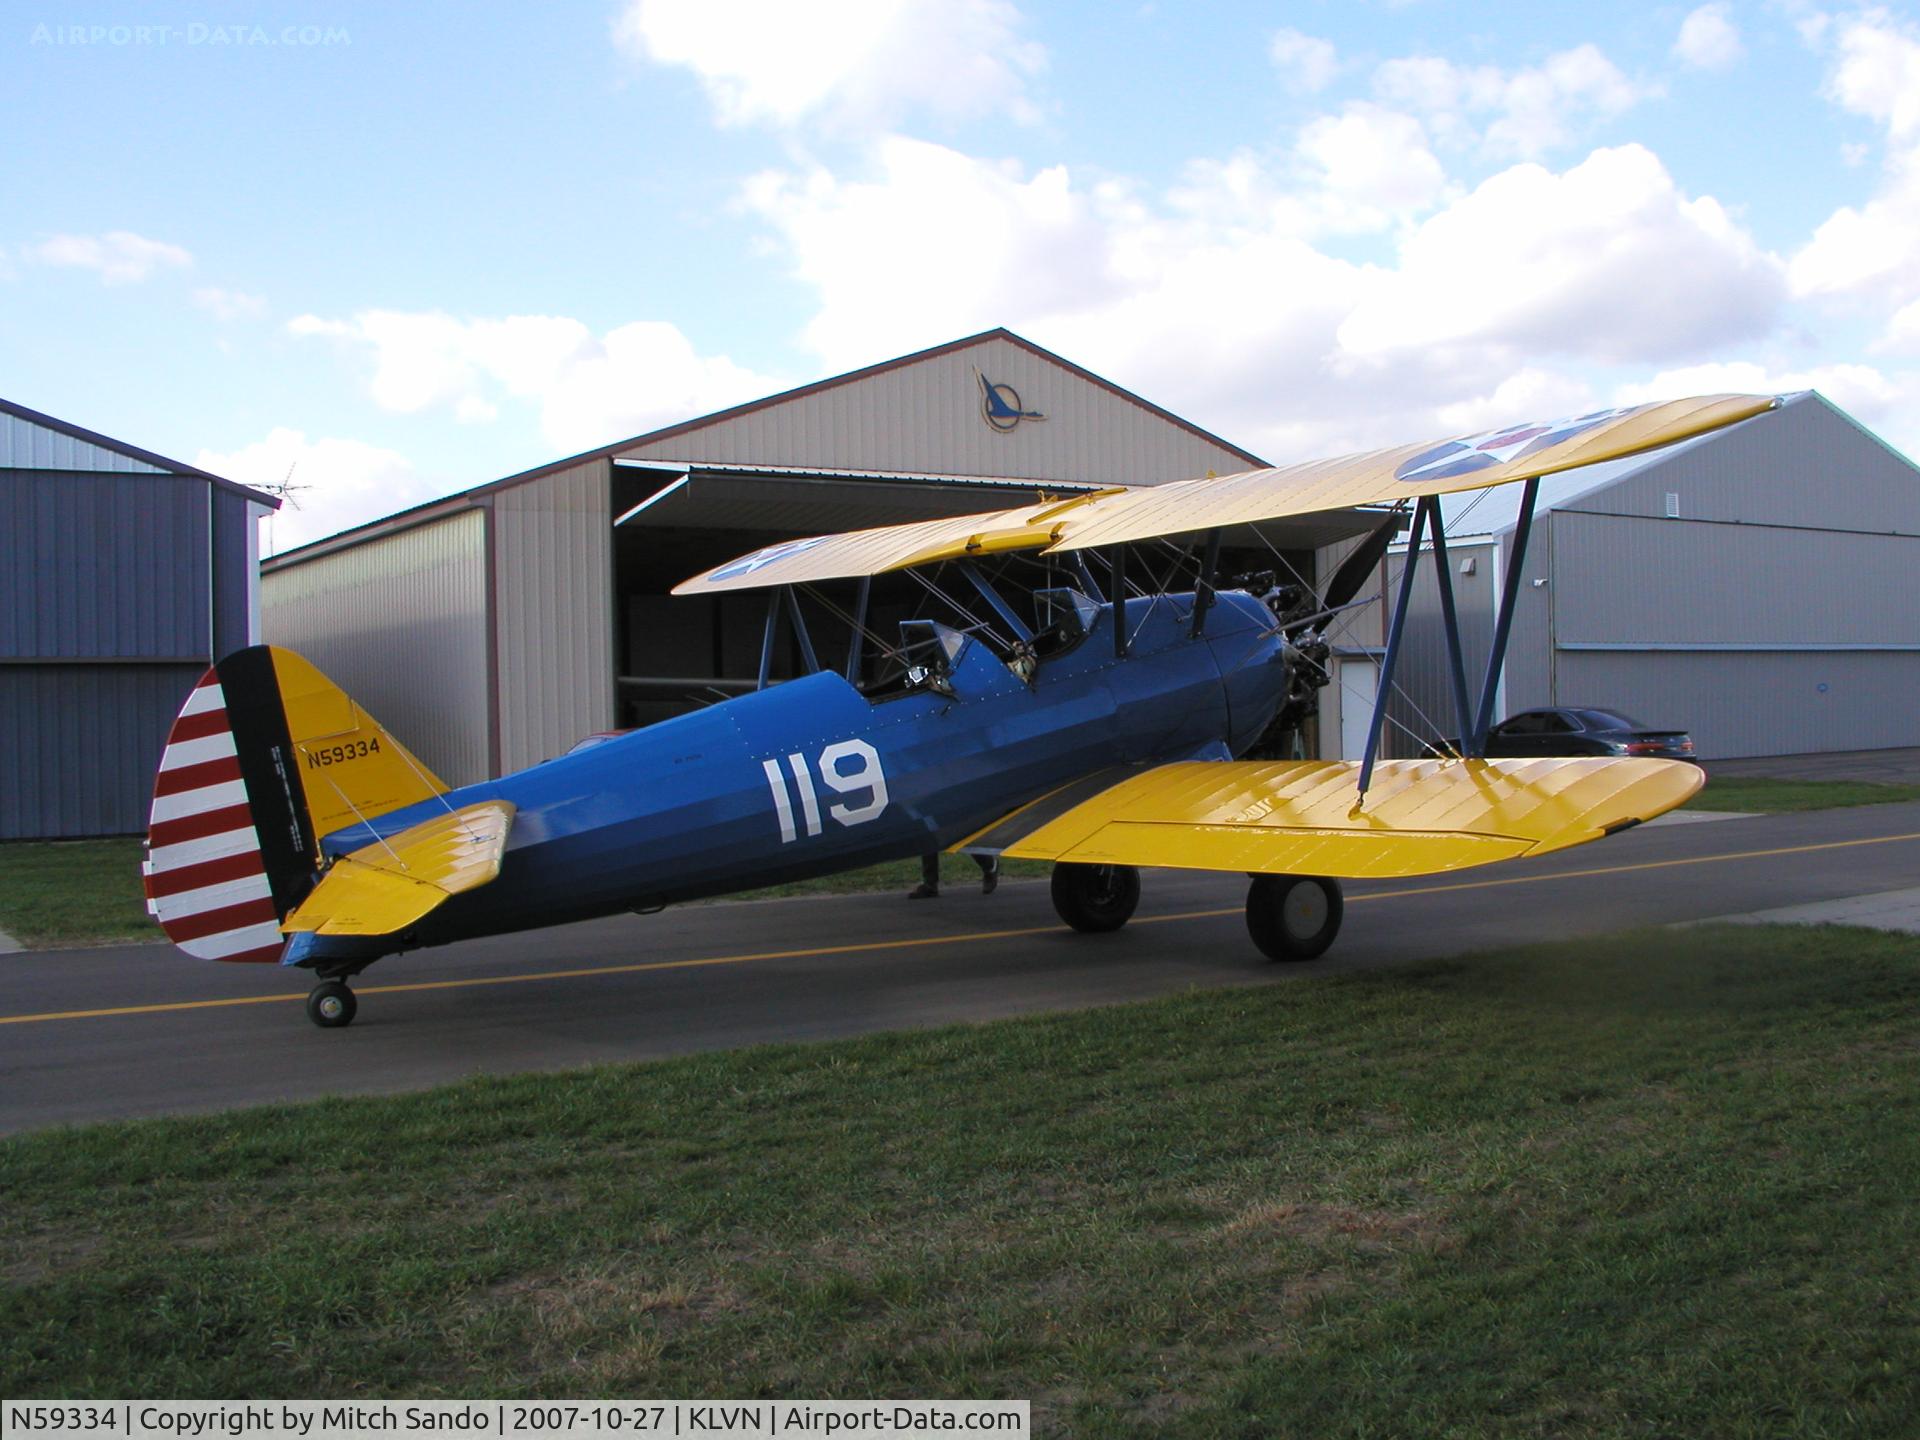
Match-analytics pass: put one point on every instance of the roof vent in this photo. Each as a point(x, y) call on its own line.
point(1673, 504)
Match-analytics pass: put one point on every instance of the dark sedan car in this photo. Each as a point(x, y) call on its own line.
point(1580, 731)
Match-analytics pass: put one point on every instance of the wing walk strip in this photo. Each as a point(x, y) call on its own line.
point(593, 971)
point(205, 875)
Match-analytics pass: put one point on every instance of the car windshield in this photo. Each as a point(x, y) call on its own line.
point(1607, 720)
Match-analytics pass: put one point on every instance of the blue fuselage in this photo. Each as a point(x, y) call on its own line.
point(811, 776)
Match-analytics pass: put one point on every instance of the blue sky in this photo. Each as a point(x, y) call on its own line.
point(402, 250)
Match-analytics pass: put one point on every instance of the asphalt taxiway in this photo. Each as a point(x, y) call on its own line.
point(143, 1030)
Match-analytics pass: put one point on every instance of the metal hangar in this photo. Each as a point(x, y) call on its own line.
point(125, 576)
point(497, 627)
point(1755, 586)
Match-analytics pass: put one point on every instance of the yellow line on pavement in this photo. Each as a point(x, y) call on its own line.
point(975, 937)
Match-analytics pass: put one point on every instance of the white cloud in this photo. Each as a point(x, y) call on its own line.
point(230, 304)
point(1708, 39)
point(938, 244)
point(1878, 73)
point(1903, 330)
point(1215, 299)
point(1306, 62)
point(333, 484)
point(1885, 402)
point(590, 390)
point(1869, 254)
point(1525, 112)
point(1608, 261)
point(1371, 167)
point(1530, 391)
point(857, 64)
point(119, 257)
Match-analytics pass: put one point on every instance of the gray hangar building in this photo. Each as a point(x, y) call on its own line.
point(497, 627)
point(1758, 586)
point(123, 576)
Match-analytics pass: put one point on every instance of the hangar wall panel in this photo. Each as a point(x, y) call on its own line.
point(1621, 578)
point(553, 552)
point(27, 446)
point(1422, 707)
point(83, 742)
point(98, 566)
point(1756, 703)
point(926, 417)
point(235, 566)
point(400, 623)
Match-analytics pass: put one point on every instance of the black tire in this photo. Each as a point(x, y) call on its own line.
point(1095, 898)
point(331, 1005)
point(1294, 917)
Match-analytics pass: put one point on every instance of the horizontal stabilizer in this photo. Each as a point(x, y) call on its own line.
point(382, 888)
point(1304, 817)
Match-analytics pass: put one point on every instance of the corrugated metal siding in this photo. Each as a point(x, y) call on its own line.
point(234, 576)
point(1626, 579)
point(400, 624)
point(1423, 700)
point(27, 446)
point(82, 745)
point(95, 566)
point(553, 556)
point(926, 417)
point(1757, 704)
point(1528, 677)
point(1806, 464)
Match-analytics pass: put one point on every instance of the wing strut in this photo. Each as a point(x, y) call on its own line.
point(1384, 690)
point(859, 629)
point(1503, 627)
point(1209, 573)
point(783, 599)
point(1450, 620)
point(996, 602)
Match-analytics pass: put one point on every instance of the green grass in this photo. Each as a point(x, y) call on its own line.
point(1777, 796)
point(73, 893)
point(1656, 1184)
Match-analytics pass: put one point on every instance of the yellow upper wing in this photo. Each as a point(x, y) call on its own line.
point(382, 888)
point(1300, 817)
point(1115, 516)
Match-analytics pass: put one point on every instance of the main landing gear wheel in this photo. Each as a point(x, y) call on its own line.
point(1095, 898)
point(331, 1005)
point(1294, 917)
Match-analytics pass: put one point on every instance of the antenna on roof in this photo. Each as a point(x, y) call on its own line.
point(285, 491)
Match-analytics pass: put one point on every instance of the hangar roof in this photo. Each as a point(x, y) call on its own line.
point(677, 439)
point(30, 440)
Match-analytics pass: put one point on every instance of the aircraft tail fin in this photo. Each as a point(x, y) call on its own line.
point(266, 757)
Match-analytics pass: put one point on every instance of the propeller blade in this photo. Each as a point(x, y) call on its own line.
point(1355, 569)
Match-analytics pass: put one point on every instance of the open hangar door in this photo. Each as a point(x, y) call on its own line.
point(677, 653)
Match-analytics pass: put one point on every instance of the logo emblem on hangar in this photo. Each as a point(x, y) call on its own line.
point(1000, 405)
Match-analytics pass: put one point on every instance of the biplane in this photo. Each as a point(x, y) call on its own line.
point(1052, 700)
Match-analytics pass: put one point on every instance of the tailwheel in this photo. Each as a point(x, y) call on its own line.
point(1095, 898)
point(331, 1005)
point(1294, 917)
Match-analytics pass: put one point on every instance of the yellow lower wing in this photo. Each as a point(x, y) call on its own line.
point(381, 889)
point(1303, 817)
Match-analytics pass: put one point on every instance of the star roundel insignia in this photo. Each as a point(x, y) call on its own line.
point(1496, 447)
point(747, 564)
